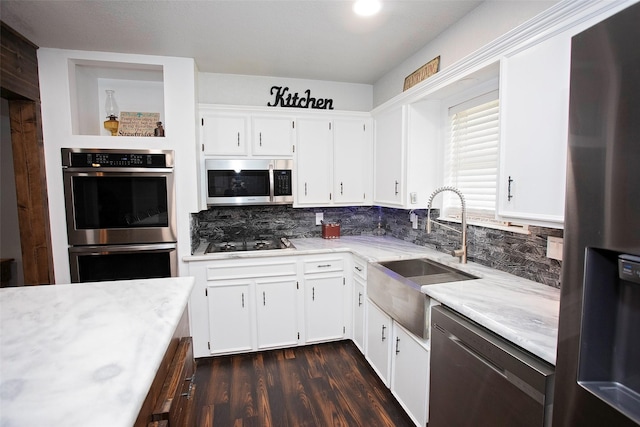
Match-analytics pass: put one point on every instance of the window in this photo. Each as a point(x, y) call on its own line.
point(471, 157)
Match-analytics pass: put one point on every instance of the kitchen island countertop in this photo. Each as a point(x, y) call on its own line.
point(86, 353)
point(520, 310)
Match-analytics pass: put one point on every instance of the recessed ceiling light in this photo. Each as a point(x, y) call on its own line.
point(367, 7)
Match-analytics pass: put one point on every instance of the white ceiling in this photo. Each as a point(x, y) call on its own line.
point(308, 39)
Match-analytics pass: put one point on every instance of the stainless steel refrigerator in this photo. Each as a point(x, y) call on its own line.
point(598, 363)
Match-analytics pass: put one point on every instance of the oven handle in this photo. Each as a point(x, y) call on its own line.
point(67, 169)
point(98, 249)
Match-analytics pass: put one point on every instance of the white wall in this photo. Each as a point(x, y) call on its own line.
point(181, 119)
point(255, 91)
point(482, 25)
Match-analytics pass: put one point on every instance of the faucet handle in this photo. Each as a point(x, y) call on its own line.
point(458, 252)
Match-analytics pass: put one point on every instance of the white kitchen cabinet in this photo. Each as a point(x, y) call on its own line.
point(276, 312)
point(388, 152)
point(534, 108)
point(410, 374)
point(358, 304)
point(408, 154)
point(325, 289)
point(333, 161)
point(230, 317)
point(352, 154)
point(314, 167)
point(223, 133)
point(273, 135)
point(240, 305)
point(378, 347)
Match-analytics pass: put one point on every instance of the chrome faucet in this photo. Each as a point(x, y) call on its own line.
point(462, 252)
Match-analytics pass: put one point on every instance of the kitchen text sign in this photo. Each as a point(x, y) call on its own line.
point(283, 98)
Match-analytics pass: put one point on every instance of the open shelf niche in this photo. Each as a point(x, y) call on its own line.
point(138, 88)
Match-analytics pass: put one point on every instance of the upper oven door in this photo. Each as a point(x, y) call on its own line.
point(115, 206)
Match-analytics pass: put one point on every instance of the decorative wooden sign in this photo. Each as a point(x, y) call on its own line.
point(137, 124)
point(422, 73)
point(283, 98)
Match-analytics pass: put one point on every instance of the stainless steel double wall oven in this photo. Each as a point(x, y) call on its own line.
point(121, 213)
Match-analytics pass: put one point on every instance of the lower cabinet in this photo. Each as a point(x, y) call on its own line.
point(277, 313)
point(401, 360)
point(242, 305)
point(378, 348)
point(325, 286)
point(410, 374)
point(230, 317)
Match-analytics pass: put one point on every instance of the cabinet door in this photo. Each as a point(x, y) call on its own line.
point(388, 157)
point(313, 162)
point(410, 377)
point(534, 106)
point(324, 310)
point(351, 160)
point(224, 134)
point(378, 326)
point(272, 136)
point(358, 313)
point(276, 303)
point(229, 318)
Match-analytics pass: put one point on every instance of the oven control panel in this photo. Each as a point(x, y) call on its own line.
point(87, 158)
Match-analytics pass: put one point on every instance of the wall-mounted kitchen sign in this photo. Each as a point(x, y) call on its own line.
point(283, 98)
point(422, 73)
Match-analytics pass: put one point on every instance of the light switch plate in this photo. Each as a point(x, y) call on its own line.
point(319, 218)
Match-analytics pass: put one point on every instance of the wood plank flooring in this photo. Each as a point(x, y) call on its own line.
point(320, 385)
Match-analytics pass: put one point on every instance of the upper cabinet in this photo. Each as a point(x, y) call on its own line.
point(407, 154)
point(272, 135)
point(242, 132)
point(224, 134)
point(333, 160)
point(534, 107)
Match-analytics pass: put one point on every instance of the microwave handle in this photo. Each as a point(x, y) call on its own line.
point(272, 190)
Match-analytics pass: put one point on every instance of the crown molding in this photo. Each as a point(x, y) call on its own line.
point(562, 16)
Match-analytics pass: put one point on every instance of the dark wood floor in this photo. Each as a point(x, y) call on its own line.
point(320, 385)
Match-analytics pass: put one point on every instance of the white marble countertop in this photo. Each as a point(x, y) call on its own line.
point(520, 310)
point(84, 354)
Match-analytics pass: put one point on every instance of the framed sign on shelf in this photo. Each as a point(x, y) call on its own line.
point(138, 124)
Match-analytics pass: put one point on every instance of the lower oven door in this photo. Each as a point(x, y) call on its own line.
point(122, 262)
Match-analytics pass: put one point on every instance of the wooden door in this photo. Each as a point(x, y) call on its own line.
point(20, 86)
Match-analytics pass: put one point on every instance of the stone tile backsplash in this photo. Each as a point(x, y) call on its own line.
point(523, 255)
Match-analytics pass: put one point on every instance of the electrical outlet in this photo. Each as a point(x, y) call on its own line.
point(554, 248)
point(414, 221)
point(414, 198)
point(319, 218)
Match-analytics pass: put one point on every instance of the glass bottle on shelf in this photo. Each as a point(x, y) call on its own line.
point(111, 108)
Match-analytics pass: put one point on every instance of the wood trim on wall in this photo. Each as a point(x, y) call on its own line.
point(20, 86)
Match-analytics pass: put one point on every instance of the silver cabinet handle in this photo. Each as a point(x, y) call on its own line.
point(313, 293)
point(324, 265)
point(238, 139)
point(509, 195)
point(260, 139)
point(358, 268)
point(397, 345)
point(383, 329)
point(341, 189)
point(243, 300)
point(305, 188)
point(396, 188)
point(359, 299)
point(264, 298)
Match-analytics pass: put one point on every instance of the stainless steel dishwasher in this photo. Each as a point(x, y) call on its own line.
point(480, 379)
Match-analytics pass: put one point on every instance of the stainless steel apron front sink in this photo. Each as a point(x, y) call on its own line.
point(394, 286)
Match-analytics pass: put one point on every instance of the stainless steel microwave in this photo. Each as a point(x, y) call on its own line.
point(249, 182)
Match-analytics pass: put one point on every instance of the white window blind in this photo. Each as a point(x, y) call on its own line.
point(471, 161)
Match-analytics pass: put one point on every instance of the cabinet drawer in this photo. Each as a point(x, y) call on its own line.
point(178, 390)
point(225, 271)
point(359, 268)
point(323, 265)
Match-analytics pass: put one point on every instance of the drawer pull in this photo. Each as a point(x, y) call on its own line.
point(324, 265)
point(359, 268)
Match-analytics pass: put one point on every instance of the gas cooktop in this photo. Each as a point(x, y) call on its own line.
point(249, 245)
